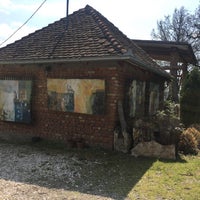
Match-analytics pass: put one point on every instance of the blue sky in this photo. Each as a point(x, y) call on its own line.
point(135, 18)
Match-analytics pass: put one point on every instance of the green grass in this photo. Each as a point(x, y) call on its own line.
point(170, 180)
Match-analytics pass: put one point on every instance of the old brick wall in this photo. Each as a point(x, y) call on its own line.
point(95, 130)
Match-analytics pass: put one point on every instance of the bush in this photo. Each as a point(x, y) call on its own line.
point(190, 99)
point(188, 143)
point(167, 125)
point(196, 133)
point(196, 126)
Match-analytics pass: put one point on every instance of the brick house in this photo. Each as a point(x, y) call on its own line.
point(64, 81)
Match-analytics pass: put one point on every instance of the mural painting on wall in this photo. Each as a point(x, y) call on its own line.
point(154, 98)
point(136, 98)
point(15, 98)
point(76, 95)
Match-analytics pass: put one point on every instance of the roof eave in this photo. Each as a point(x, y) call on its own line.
point(62, 60)
point(128, 58)
point(144, 66)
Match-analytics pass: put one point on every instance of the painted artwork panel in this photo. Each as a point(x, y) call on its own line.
point(132, 98)
point(154, 98)
point(140, 100)
point(76, 95)
point(136, 98)
point(15, 98)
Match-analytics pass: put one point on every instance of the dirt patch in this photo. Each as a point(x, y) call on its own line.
point(29, 172)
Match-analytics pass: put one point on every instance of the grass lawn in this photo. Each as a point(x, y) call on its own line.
point(170, 180)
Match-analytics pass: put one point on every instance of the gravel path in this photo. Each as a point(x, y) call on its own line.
point(30, 173)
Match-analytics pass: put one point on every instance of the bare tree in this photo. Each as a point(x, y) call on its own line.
point(180, 27)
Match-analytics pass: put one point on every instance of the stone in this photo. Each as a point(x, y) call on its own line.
point(154, 149)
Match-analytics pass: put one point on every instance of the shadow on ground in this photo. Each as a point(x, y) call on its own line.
point(89, 171)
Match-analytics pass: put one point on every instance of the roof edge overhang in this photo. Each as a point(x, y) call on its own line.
point(181, 46)
point(149, 67)
point(64, 60)
point(127, 58)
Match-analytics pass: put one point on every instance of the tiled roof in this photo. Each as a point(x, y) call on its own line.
point(88, 35)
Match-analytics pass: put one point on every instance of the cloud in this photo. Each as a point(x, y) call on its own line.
point(12, 16)
point(134, 18)
point(8, 30)
point(4, 6)
point(5, 3)
point(120, 14)
point(53, 9)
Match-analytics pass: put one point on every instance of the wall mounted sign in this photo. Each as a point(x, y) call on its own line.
point(76, 95)
point(15, 98)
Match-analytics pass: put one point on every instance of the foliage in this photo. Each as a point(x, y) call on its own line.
point(167, 124)
point(190, 98)
point(171, 109)
point(188, 141)
point(182, 26)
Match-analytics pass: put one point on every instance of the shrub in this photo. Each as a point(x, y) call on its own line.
point(167, 125)
point(196, 133)
point(196, 126)
point(171, 109)
point(188, 143)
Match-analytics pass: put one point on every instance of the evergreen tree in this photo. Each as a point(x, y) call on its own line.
point(190, 98)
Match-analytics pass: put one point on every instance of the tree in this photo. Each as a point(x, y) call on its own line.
point(180, 27)
point(190, 98)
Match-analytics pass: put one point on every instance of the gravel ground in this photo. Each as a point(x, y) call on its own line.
point(28, 172)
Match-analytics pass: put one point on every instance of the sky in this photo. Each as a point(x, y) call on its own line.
point(135, 18)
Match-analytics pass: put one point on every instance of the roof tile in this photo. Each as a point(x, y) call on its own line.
point(88, 34)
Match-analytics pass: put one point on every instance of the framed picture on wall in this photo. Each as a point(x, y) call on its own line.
point(76, 95)
point(15, 100)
